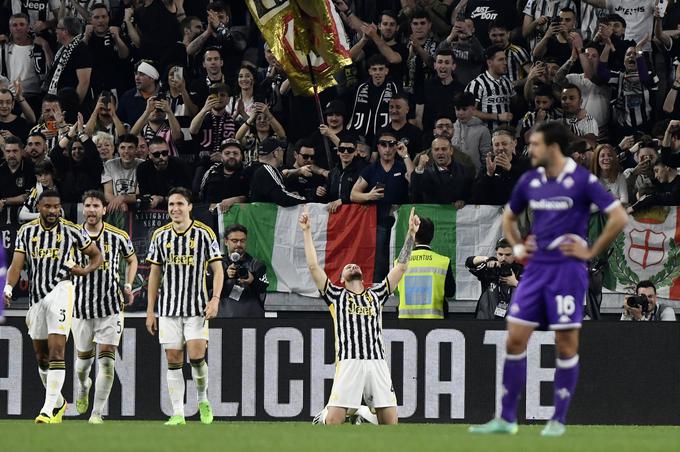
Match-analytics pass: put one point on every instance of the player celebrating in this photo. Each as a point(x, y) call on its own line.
point(97, 315)
point(357, 318)
point(554, 284)
point(47, 244)
point(182, 251)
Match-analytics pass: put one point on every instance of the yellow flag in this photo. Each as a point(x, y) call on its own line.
point(294, 29)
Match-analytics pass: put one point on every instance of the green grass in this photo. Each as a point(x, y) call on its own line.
point(118, 436)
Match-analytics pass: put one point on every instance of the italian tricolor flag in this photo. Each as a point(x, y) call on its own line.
point(275, 238)
point(458, 233)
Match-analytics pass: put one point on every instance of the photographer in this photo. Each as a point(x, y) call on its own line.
point(246, 283)
point(644, 307)
point(499, 277)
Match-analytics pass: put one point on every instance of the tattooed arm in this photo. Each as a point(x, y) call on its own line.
point(394, 276)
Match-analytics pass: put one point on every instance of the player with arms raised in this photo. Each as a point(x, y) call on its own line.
point(554, 285)
point(180, 253)
point(357, 319)
point(97, 317)
point(48, 245)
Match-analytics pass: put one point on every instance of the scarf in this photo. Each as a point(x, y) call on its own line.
point(61, 60)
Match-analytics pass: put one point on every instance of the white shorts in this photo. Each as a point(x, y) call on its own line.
point(367, 378)
point(173, 332)
point(52, 314)
point(105, 330)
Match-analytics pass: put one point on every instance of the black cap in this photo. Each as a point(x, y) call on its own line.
point(335, 106)
point(231, 142)
point(269, 145)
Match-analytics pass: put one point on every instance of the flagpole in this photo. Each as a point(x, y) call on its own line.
point(319, 111)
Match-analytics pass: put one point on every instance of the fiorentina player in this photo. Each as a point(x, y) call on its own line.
point(552, 291)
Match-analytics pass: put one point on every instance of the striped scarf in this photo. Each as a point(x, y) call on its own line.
point(61, 59)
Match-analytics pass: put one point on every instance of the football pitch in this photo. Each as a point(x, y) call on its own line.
point(121, 436)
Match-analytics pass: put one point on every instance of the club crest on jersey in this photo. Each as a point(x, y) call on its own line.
point(192, 243)
point(568, 182)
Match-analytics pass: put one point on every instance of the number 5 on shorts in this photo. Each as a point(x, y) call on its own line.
point(62, 315)
point(565, 305)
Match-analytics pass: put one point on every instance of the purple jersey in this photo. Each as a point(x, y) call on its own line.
point(561, 206)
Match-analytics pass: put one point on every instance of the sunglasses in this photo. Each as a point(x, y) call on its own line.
point(386, 143)
point(160, 153)
point(345, 149)
point(307, 156)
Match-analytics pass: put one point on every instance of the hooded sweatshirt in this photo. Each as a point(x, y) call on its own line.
point(473, 139)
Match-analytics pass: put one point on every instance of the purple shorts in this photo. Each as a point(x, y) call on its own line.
point(550, 295)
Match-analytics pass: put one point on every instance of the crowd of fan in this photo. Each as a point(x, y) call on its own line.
point(136, 97)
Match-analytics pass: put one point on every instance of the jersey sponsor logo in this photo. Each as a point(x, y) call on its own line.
point(35, 6)
point(181, 259)
point(484, 13)
point(555, 203)
point(215, 246)
point(355, 309)
point(46, 253)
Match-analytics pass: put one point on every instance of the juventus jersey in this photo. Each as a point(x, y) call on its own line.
point(357, 320)
point(184, 259)
point(47, 252)
point(98, 293)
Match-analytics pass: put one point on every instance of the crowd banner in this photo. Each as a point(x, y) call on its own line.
point(294, 29)
point(442, 371)
point(275, 238)
point(648, 248)
point(458, 233)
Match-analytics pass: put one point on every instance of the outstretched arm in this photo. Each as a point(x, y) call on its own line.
point(318, 275)
point(394, 276)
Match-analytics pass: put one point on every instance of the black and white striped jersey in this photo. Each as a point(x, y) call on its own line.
point(48, 251)
point(357, 320)
point(98, 294)
point(184, 259)
point(493, 95)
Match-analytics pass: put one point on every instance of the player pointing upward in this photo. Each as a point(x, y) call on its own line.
point(554, 285)
point(357, 318)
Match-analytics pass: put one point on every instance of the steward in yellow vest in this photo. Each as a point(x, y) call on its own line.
point(428, 279)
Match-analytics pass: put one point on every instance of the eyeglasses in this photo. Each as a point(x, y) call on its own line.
point(386, 143)
point(307, 156)
point(158, 154)
point(346, 149)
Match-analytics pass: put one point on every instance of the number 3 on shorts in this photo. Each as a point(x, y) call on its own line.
point(565, 304)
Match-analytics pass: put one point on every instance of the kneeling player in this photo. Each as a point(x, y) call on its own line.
point(361, 369)
point(98, 318)
point(179, 254)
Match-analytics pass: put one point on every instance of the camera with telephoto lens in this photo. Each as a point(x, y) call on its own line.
point(502, 270)
point(638, 301)
point(241, 270)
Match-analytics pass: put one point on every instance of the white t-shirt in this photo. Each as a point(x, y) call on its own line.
point(639, 17)
point(20, 66)
point(124, 179)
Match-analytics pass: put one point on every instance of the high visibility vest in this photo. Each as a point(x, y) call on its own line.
point(421, 290)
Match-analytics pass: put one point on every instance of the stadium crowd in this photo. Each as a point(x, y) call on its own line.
point(135, 97)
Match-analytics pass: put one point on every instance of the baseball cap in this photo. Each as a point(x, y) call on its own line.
point(231, 142)
point(269, 145)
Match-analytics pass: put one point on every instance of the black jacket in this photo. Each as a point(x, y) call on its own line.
point(340, 181)
point(435, 186)
point(493, 293)
point(159, 182)
point(267, 185)
point(495, 190)
point(78, 177)
point(665, 194)
point(250, 302)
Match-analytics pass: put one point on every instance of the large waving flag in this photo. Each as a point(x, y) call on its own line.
point(294, 29)
point(275, 238)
